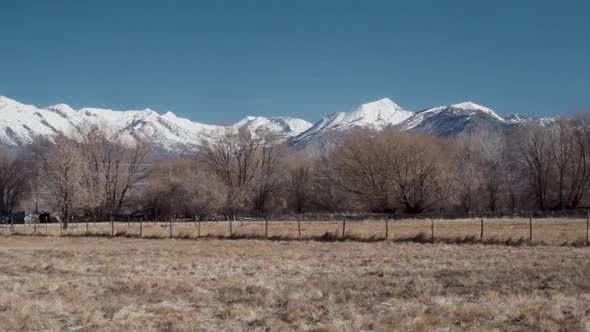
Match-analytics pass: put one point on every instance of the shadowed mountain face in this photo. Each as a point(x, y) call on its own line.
point(455, 120)
point(20, 123)
point(442, 121)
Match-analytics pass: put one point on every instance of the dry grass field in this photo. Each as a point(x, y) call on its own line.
point(130, 284)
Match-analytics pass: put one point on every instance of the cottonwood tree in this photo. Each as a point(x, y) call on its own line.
point(300, 185)
point(570, 152)
point(327, 189)
point(364, 164)
point(445, 192)
point(513, 179)
point(562, 153)
point(177, 187)
point(467, 179)
point(270, 155)
point(490, 147)
point(390, 166)
point(14, 182)
point(415, 171)
point(61, 171)
point(536, 160)
point(110, 168)
point(232, 158)
point(580, 169)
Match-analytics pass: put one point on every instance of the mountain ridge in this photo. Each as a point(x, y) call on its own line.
point(20, 123)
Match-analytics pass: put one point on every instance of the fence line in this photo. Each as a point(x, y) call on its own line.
point(491, 231)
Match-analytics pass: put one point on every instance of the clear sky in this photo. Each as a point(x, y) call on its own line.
point(217, 61)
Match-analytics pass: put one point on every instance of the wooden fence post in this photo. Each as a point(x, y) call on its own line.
point(343, 226)
point(112, 227)
point(298, 228)
point(587, 226)
point(199, 228)
point(266, 226)
point(481, 231)
point(530, 226)
point(170, 227)
point(230, 226)
point(141, 227)
point(432, 229)
point(11, 223)
point(86, 226)
point(386, 228)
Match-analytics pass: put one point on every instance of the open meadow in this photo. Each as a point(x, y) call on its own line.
point(131, 284)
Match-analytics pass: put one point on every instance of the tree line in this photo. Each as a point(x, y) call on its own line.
point(97, 174)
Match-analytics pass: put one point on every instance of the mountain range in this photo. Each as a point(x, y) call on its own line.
point(20, 123)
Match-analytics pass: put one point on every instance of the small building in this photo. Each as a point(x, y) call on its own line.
point(31, 217)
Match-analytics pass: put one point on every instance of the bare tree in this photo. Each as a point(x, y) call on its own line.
point(535, 157)
point(327, 189)
point(579, 172)
point(177, 187)
point(562, 149)
point(110, 168)
point(300, 184)
point(267, 179)
point(446, 185)
point(490, 147)
point(232, 157)
point(61, 170)
point(468, 181)
point(363, 166)
point(387, 167)
point(415, 168)
point(14, 182)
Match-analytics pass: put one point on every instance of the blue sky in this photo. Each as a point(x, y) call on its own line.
point(218, 61)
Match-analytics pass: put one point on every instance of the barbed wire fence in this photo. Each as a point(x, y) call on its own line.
point(521, 228)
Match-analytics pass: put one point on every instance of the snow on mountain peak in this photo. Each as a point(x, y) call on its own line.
point(7, 102)
point(471, 106)
point(61, 107)
point(375, 115)
point(285, 126)
point(516, 118)
point(383, 112)
point(20, 123)
point(64, 110)
point(169, 115)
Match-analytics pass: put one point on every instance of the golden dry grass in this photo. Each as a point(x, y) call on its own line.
point(120, 284)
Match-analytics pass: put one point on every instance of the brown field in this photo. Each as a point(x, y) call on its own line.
point(129, 284)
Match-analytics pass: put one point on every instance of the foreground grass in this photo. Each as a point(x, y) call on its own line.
point(97, 284)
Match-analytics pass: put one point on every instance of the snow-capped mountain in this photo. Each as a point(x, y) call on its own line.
point(464, 117)
point(520, 119)
point(449, 120)
point(454, 119)
point(283, 126)
point(20, 123)
point(375, 115)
